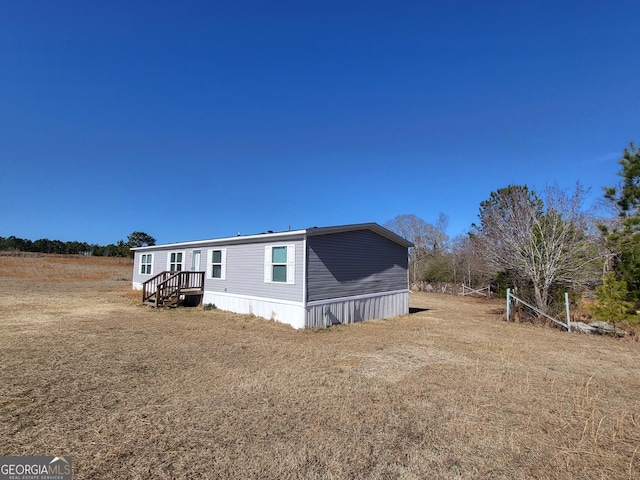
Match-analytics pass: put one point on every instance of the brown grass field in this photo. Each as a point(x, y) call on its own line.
point(451, 391)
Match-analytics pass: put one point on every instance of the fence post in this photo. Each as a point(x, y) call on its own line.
point(566, 302)
point(508, 304)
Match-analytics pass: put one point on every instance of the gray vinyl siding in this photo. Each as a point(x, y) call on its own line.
point(137, 278)
point(160, 261)
point(245, 272)
point(354, 263)
point(155, 269)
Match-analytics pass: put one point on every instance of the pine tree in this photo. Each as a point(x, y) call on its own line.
point(624, 238)
point(611, 305)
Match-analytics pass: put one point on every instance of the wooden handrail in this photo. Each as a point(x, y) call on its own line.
point(168, 284)
point(150, 286)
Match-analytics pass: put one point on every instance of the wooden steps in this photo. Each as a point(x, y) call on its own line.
point(170, 289)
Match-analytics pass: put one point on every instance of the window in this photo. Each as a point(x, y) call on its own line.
point(279, 264)
point(217, 264)
point(146, 260)
point(175, 261)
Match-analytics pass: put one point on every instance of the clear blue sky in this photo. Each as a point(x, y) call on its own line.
point(191, 120)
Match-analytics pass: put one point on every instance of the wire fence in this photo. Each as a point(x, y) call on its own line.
point(515, 312)
point(447, 288)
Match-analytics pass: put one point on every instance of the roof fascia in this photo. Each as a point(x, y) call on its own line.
point(360, 226)
point(309, 232)
point(227, 240)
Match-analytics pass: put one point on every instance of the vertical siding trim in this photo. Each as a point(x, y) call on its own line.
point(304, 271)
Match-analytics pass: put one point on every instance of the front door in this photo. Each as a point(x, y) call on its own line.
point(195, 264)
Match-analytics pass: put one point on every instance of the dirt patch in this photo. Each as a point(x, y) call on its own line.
point(450, 391)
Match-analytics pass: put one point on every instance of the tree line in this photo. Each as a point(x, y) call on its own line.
point(543, 244)
point(44, 245)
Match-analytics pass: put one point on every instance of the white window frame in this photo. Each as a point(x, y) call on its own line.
point(146, 260)
point(223, 264)
point(291, 264)
point(181, 263)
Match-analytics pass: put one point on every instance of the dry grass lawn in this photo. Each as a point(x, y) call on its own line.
point(451, 391)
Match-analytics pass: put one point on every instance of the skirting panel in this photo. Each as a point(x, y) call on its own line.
point(357, 309)
point(289, 313)
point(318, 315)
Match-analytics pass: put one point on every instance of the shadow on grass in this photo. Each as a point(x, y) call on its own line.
point(417, 310)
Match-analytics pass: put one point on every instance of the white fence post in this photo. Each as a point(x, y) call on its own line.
point(538, 311)
point(566, 302)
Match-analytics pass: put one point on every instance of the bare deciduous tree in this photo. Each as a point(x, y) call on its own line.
point(428, 239)
point(545, 243)
point(468, 267)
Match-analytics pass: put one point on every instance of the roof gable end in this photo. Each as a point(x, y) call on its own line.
point(374, 227)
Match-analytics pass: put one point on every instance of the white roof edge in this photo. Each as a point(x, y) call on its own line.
point(361, 226)
point(312, 231)
point(238, 238)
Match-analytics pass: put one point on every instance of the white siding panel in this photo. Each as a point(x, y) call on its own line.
point(290, 313)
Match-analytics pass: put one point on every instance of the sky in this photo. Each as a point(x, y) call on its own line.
point(191, 120)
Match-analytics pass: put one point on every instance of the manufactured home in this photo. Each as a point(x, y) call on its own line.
point(309, 278)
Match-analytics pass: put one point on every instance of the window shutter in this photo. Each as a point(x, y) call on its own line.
point(291, 263)
point(268, 273)
point(223, 267)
